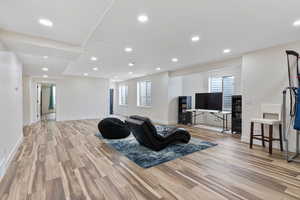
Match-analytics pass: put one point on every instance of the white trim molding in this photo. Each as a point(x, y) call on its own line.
point(5, 162)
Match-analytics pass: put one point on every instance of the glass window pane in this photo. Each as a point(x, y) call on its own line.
point(228, 90)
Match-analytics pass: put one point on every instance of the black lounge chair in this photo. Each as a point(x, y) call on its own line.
point(147, 135)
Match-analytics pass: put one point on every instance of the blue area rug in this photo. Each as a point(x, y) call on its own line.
point(146, 158)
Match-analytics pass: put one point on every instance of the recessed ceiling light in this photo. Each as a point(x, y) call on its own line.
point(143, 18)
point(93, 58)
point(131, 64)
point(174, 59)
point(195, 38)
point(226, 50)
point(45, 76)
point(128, 49)
point(45, 57)
point(95, 68)
point(158, 68)
point(297, 23)
point(130, 73)
point(85, 74)
point(46, 22)
point(45, 69)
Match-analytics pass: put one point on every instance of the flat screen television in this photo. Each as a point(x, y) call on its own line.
point(209, 101)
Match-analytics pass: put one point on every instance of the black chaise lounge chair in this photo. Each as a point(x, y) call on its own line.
point(147, 135)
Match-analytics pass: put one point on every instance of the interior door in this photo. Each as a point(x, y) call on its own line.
point(111, 101)
point(39, 102)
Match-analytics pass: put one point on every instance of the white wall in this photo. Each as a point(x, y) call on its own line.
point(82, 98)
point(26, 101)
point(175, 90)
point(264, 76)
point(167, 87)
point(198, 83)
point(10, 106)
point(76, 98)
point(158, 112)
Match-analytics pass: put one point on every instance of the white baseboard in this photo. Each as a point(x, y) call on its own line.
point(4, 164)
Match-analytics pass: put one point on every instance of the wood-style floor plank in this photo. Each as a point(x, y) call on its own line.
point(65, 161)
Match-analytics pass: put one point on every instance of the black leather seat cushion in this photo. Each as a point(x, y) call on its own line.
point(146, 134)
point(113, 128)
point(149, 124)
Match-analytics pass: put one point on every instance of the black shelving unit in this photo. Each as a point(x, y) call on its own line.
point(184, 103)
point(236, 120)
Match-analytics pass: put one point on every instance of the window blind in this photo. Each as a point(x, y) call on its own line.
point(144, 93)
point(226, 86)
point(123, 95)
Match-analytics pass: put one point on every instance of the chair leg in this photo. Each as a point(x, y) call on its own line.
point(280, 137)
point(262, 135)
point(251, 135)
point(270, 139)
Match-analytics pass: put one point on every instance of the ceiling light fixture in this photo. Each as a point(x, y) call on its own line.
point(45, 69)
point(131, 64)
point(174, 59)
point(45, 76)
point(297, 23)
point(45, 57)
point(143, 18)
point(46, 22)
point(95, 68)
point(195, 38)
point(130, 73)
point(93, 58)
point(128, 49)
point(158, 69)
point(85, 74)
point(226, 50)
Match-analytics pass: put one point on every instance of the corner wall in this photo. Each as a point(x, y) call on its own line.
point(264, 76)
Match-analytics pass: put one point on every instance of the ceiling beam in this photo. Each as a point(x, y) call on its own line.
point(39, 41)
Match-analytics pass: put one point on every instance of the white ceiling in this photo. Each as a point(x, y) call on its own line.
point(103, 28)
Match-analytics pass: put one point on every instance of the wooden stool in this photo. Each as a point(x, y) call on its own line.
point(271, 109)
point(264, 138)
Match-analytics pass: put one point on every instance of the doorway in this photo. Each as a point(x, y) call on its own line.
point(46, 101)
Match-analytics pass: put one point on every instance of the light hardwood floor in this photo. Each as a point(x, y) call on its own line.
point(64, 160)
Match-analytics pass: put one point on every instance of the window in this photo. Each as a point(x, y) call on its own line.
point(123, 95)
point(223, 84)
point(144, 93)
